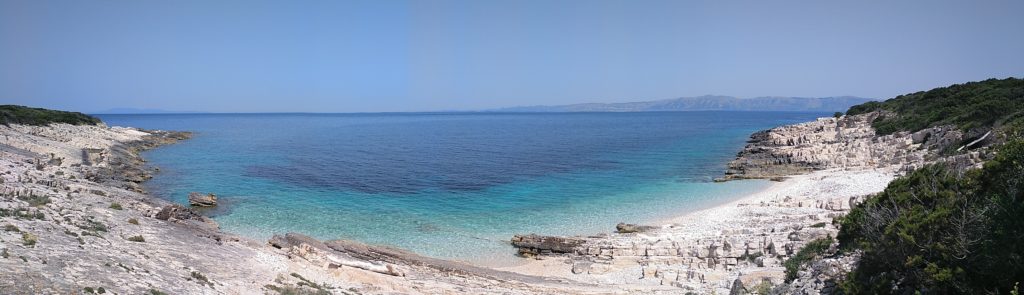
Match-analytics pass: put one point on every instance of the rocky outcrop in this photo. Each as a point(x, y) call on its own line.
point(175, 212)
point(848, 142)
point(533, 244)
point(820, 276)
point(202, 200)
point(625, 228)
point(319, 253)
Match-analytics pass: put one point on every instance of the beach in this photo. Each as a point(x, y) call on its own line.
point(78, 216)
point(823, 168)
point(779, 218)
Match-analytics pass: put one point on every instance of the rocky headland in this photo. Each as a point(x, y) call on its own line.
point(848, 143)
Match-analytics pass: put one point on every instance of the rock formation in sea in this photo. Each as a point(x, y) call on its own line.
point(202, 200)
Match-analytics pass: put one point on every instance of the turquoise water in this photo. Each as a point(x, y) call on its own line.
point(456, 185)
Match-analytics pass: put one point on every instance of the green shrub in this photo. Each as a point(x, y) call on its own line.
point(750, 256)
point(93, 226)
point(812, 250)
point(133, 221)
point(320, 289)
point(968, 106)
point(116, 206)
point(12, 114)
point(200, 278)
point(35, 200)
point(11, 227)
point(28, 239)
point(764, 288)
point(943, 231)
point(22, 213)
point(295, 290)
point(139, 239)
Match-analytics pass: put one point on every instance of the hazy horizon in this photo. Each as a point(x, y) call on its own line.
point(515, 109)
point(422, 56)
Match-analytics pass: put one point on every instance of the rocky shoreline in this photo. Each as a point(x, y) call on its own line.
point(848, 143)
point(825, 167)
point(76, 219)
point(708, 250)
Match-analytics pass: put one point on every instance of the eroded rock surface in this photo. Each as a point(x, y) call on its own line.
point(844, 143)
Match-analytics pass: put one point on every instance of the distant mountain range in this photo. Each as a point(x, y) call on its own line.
point(119, 111)
point(708, 103)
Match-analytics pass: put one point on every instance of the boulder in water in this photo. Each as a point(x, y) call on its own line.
point(623, 228)
point(201, 200)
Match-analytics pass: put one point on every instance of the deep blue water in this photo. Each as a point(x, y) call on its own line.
point(451, 185)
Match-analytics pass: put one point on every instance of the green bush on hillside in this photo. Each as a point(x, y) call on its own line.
point(940, 231)
point(812, 250)
point(12, 114)
point(968, 106)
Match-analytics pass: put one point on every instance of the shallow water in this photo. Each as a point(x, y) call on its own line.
point(451, 185)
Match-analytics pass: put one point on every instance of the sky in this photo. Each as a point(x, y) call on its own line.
point(391, 56)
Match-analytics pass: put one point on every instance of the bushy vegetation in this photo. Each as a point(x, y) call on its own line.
point(200, 278)
point(938, 231)
point(13, 114)
point(35, 200)
point(28, 239)
point(812, 250)
point(22, 213)
point(968, 106)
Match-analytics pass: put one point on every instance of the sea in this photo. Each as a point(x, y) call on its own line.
point(451, 185)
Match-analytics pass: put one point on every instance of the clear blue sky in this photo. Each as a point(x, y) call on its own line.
point(356, 56)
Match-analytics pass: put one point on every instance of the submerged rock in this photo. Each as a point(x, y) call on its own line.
point(623, 228)
point(201, 200)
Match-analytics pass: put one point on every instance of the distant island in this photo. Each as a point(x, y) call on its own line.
point(133, 111)
point(708, 103)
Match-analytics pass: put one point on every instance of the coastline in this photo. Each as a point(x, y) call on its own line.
point(827, 166)
point(766, 216)
point(837, 184)
point(146, 243)
point(75, 218)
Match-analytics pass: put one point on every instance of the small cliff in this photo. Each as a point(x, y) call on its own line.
point(849, 142)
